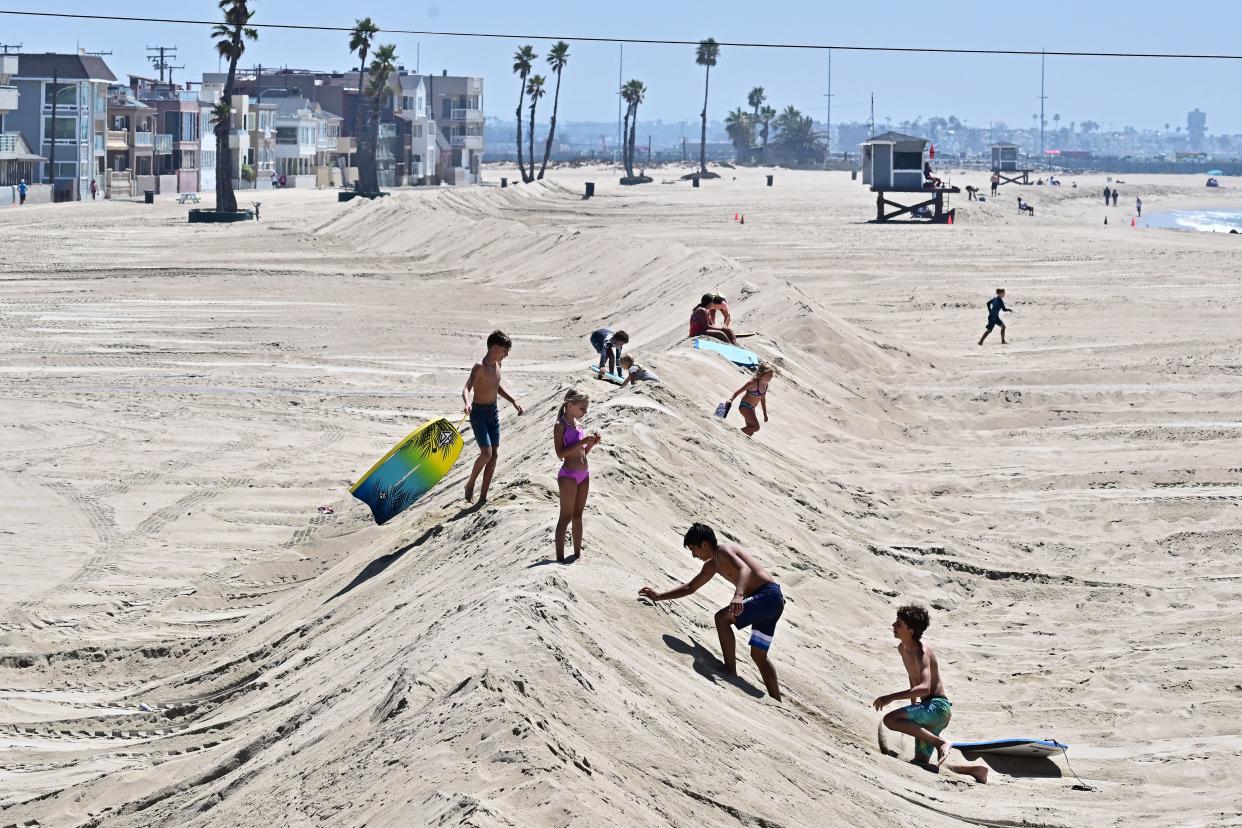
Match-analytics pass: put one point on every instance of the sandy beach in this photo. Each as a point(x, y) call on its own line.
point(186, 640)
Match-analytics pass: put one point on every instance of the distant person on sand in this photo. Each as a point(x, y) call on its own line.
point(635, 373)
point(484, 383)
point(931, 711)
point(21, 192)
point(701, 322)
point(1108, 194)
point(1138, 207)
point(572, 444)
point(971, 192)
point(1115, 194)
point(995, 305)
point(608, 345)
point(757, 600)
point(94, 189)
point(1023, 207)
point(995, 182)
point(754, 393)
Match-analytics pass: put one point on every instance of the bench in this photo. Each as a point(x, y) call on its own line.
point(188, 198)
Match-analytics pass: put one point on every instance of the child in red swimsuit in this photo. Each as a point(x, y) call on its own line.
point(572, 444)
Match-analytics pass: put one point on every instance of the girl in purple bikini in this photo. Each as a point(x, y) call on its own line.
point(572, 444)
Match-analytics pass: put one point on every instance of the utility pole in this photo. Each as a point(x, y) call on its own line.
point(160, 59)
point(52, 155)
point(10, 48)
point(871, 121)
point(828, 127)
point(620, 75)
point(1042, 98)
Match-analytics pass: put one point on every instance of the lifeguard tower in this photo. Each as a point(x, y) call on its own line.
point(1005, 164)
point(893, 163)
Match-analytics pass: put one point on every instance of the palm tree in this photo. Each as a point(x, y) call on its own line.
point(534, 88)
point(632, 93)
point(766, 115)
point(797, 136)
point(231, 37)
point(523, 60)
point(706, 55)
point(383, 65)
point(755, 99)
point(558, 56)
point(740, 128)
point(360, 40)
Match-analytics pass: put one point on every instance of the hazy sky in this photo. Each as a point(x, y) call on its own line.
point(978, 89)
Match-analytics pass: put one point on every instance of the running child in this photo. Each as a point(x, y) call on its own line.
point(484, 382)
point(635, 373)
point(754, 393)
point(608, 344)
point(931, 711)
point(757, 599)
point(572, 445)
point(995, 305)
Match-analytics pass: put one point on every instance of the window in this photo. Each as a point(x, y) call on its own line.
point(66, 169)
point(286, 135)
point(907, 161)
point(66, 95)
point(66, 129)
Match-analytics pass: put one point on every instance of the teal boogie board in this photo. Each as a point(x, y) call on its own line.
point(615, 379)
point(406, 473)
point(736, 355)
point(1014, 747)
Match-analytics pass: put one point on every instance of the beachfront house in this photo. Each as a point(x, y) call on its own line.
point(17, 162)
point(418, 138)
point(130, 145)
point(893, 161)
point(177, 149)
point(307, 142)
point(66, 96)
point(457, 108)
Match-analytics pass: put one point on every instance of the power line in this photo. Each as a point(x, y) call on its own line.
point(651, 41)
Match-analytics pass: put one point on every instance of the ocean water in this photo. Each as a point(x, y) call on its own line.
point(1204, 221)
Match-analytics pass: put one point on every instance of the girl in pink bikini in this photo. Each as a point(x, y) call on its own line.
point(572, 444)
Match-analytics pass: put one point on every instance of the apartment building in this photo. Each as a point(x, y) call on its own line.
point(308, 145)
point(17, 162)
point(129, 145)
point(456, 107)
point(252, 139)
point(177, 147)
point(62, 114)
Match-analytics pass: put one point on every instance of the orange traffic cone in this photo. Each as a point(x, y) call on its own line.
point(950, 218)
point(735, 216)
point(1132, 224)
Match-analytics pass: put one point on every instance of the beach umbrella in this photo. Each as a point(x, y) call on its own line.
point(1215, 172)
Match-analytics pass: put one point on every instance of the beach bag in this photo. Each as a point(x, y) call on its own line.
point(722, 410)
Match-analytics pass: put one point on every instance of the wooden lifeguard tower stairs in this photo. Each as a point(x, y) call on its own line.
point(1005, 165)
point(893, 164)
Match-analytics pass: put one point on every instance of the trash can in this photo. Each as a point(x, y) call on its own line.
point(590, 189)
point(853, 175)
point(504, 182)
point(148, 196)
point(696, 181)
point(770, 180)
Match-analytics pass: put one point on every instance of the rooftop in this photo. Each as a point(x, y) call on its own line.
point(63, 67)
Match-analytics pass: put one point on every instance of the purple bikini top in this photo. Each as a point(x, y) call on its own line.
point(572, 435)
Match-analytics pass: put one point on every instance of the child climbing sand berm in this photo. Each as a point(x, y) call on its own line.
point(757, 600)
point(930, 712)
point(572, 445)
point(754, 393)
point(484, 383)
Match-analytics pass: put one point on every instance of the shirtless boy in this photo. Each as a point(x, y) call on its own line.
point(484, 382)
point(757, 600)
point(930, 713)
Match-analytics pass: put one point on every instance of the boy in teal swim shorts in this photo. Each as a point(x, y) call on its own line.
point(931, 711)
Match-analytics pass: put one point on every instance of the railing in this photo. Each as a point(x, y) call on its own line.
point(143, 139)
point(466, 114)
point(8, 142)
point(118, 139)
point(163, 143)
point(326, 143)
point(468, 142)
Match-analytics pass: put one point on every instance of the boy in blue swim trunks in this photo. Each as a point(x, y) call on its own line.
point(995, 305)
point(930, 712)
point(484, 382)
point(757, 600)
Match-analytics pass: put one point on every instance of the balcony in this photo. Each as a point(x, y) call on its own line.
point(8, 98)
point(470, 142)
point(347, 145)
point(467, 115)
point(143, 139)
point(118, 139)
point(8, 142)
point(163, 143)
